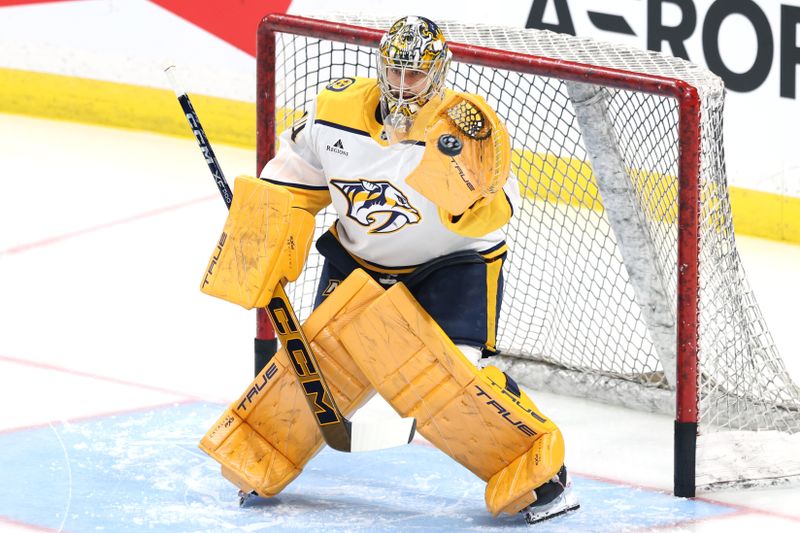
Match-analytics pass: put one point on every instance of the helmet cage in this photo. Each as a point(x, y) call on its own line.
point(409, 93)
point(416, 55)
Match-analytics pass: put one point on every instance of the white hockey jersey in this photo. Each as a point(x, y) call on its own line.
point(338, 154)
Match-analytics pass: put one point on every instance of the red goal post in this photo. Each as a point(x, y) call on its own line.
point(689, 142)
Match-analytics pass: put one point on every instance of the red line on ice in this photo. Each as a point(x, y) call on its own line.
point(58, 238)
point(6, 3)
point(32, 527)
point(47, 366)
point(742, 509)
point(97, 416)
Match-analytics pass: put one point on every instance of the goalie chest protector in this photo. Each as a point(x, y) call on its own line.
point(339, 149)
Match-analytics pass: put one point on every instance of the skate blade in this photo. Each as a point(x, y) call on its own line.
point(567, 503)
point(535, 519)
point(245, 497)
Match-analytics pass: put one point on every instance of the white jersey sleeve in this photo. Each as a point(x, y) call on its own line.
point(297, 164)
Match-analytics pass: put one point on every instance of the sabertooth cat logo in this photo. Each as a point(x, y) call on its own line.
point(368, 199)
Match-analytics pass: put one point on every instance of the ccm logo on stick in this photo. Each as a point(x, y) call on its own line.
point(306, 372)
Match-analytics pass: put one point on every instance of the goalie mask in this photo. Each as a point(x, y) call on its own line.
point(413, 59)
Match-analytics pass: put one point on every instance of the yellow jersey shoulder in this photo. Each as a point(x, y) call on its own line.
point(349, 102)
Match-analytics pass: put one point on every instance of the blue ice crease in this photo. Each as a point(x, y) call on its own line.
point(143, 471)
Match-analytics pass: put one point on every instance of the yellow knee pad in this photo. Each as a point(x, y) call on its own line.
point(479, 418)
point(264, 438)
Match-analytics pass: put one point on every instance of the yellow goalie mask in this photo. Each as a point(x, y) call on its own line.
point(413, 59)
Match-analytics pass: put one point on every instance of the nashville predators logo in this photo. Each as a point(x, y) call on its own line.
point(368, 200)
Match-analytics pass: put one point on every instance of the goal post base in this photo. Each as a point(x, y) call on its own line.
point(264, 349)
point(685, 446)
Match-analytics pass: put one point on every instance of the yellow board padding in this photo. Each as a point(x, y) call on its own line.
point(124, 106)
point(766, 215)
point(265, 437)
point(470, 415)
point(265, 240)
point(554, 179)
point(560, 179)
point(569, 181)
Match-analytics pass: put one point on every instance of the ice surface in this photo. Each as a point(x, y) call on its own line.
point(113, 364)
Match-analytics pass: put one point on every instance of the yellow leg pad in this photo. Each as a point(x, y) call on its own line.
point(264, 438)
point(509, 490)
point(469, 414)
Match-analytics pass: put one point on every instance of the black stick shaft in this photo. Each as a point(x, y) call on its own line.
point(335, 428)
point(205, 146)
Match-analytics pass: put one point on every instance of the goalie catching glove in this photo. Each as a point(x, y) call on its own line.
point(265, 240)
point(467, 154)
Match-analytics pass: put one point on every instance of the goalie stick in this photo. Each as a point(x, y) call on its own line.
point(339, 433)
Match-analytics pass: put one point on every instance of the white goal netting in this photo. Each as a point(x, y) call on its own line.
point(590, 293)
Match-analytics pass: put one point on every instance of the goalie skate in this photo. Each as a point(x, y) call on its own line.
point(245, 497)
point(554, 498)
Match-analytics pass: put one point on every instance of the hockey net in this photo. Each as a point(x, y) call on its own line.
point(592, 291)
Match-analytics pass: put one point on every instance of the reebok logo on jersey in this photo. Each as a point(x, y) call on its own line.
point(338, 148)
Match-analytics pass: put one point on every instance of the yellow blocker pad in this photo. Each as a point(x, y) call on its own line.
point(492, 429)
point(264, 438)
point(264, 241)
point(467, 154)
